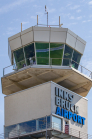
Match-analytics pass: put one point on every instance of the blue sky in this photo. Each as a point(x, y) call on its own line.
point(75, 15)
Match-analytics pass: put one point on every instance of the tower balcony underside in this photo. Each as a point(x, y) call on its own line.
point(30, 76)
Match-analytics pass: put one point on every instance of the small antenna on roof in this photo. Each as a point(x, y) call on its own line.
point(47, 19)
point(37, 19)
point(47, 14)
point(59, 22)
point(21, 27)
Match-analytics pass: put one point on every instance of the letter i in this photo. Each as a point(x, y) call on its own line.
point(61, 112)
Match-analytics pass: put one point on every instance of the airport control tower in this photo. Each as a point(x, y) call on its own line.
point(46, 86)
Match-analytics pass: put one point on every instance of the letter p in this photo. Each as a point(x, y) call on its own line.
point(70, 115)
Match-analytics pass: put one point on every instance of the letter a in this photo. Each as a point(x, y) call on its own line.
point(58, 112)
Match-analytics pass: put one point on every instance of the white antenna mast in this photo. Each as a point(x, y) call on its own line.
point(47, 14)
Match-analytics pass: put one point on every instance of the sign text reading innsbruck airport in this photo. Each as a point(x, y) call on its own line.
point(65, 108)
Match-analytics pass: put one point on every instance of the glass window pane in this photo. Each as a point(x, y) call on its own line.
point(29, 53)
point(41, 123)
point(19, 55)
point(56, 123)
point(19, 58)
point(26, 127)
point(42, 53)
point(11, 131)
point(48, 121)
point(76, 59)
point(20, 64)
point(67, 55)
point(56, 53)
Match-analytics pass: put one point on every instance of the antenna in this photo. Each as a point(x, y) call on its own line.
point(37, 19)
point(59, 21)
point(47, 20)
point(21, 27)
point(47, 14)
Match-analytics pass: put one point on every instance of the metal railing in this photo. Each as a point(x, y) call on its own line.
point(26, 130)
point(46, 61)
point(66, 130)
point(2, 136)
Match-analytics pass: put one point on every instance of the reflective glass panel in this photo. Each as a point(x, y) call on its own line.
point(19, 58)
point(42, 53)
point(67, 55)
point(41, 123)
point(26, 127)
point(76, 59)
point(29, 53)
point(56, 123)
point(48, 121)
point(19, 55)
point(56, 53)
point(11, 130)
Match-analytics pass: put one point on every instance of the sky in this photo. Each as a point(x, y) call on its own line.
point(75, 15)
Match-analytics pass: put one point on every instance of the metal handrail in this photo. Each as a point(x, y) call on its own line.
point(51, 126)
point(50, 58)
point(50, 63)
point(46, 25)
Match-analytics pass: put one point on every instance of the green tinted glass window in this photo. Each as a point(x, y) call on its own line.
point(67, 55)
point(42, 53)
point(29, 53)
point(19, 55)
point(76, 59)
point(19, 58)
point(56, 53)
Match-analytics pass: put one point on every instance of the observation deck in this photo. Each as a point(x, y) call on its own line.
point(41, 54)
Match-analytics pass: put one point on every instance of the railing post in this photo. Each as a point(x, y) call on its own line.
point(81, 69)
point(71, 131)
point(18, 134)
point(50, 61)
point(8, 135)
point(79, 134)
point(26, 61)
point(46, 126)
point(70, 63)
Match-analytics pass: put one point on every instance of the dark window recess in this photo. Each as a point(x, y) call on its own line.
point(76, 59)
point(67, 55)
point(30, 54)
point(19, 58)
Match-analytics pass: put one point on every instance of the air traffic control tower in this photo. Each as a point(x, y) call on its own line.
point(46, 86)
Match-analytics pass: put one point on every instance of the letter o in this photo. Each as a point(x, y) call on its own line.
point(75, 117)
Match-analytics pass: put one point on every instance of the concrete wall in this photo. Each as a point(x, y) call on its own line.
point(78, 101)
point(28, 104)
